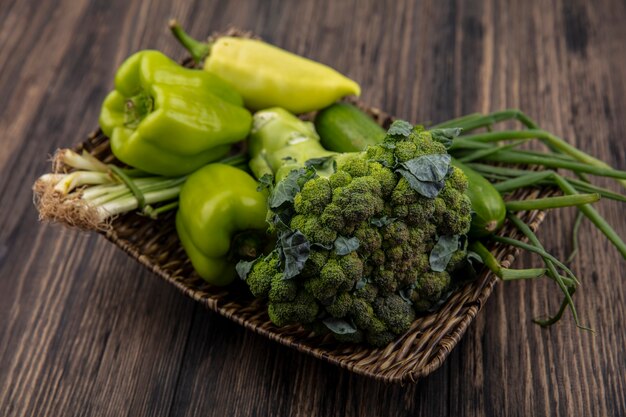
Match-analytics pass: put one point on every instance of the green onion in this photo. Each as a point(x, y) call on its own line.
point(552, 202)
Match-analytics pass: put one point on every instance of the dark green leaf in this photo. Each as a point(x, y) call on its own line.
point(360, 283)
point(318, 162)
point(280, 220)
point(339, 326)
point(431, 168)
point(442, 252)
point(326, 165)
point(285, 190)
point(243, 268)
point(426, 174)
point(344, 245)
point(382, 221)
point(321, 246)
point(466, 270)
point(400, 128)
point(405, 293)
point(474, 257)
point(295, 250)
point(288, 187)
point(446, 136)
point(266, 181)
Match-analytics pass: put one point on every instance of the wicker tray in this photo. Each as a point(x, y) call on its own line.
point(414, 355)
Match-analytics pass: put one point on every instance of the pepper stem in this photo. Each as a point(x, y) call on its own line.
point(198, 50)
point(137, 108)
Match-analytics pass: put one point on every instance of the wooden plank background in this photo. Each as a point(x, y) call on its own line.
point(86, 331)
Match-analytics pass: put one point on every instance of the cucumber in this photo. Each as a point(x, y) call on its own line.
point(487, 203)
point(344, 128)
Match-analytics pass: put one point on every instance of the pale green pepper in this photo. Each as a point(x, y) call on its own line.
point(267, 76)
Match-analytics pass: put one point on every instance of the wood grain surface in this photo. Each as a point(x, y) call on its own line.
point(84, 330)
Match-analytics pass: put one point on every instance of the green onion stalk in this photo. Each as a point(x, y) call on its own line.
point(86, 193)
point(481, 150)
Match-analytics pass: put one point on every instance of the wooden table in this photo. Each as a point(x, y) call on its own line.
point(84, 330)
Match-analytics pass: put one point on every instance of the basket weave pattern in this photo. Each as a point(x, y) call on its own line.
point(414, 355)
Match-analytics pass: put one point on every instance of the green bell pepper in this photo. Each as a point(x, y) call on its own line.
point(216, 202)
point(169, 120)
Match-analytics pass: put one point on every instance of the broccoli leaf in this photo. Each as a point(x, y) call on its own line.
point(318, 162)
point(286, 189)
point(400, 128)
point(295, 250)
point(361, 283)
point(442, 252)
point(446, 136)
point(466, 270)
point(243, 268)
point(426, 174)
point(325, 164)
point(279, 222)
point(322, 246)
point(339, 326)
point(382, 221)
point(404, 293)
point(266, 181)
point(344, 245)
point(474, 257)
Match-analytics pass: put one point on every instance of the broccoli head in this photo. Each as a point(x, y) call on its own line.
point(368, 227)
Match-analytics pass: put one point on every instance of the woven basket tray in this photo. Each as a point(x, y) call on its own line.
point(414, 355)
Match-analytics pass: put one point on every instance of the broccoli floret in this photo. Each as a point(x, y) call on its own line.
point(363, 314)
point(369, 237)
point(376, 333)
point(355, 165)
point(385, 280)
point(385, 177)
point(457, 180)
point(381, 154)
point(425, 143)
point(368, 293)
point(405, 150)
point(317, 259)
point(260, 277)
point(428, 289)
point(458, 258)
point(332, 217)
point(341, 305)
point(303, 309)
point(453, 206)
point(314, 229)
point(339, 179)
point(359, 200)
point(282, 289)
point(395, 233)
point(336, 276)
point(352, 267)
point(380, 339)
point(396, 313)
point(314, 196)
